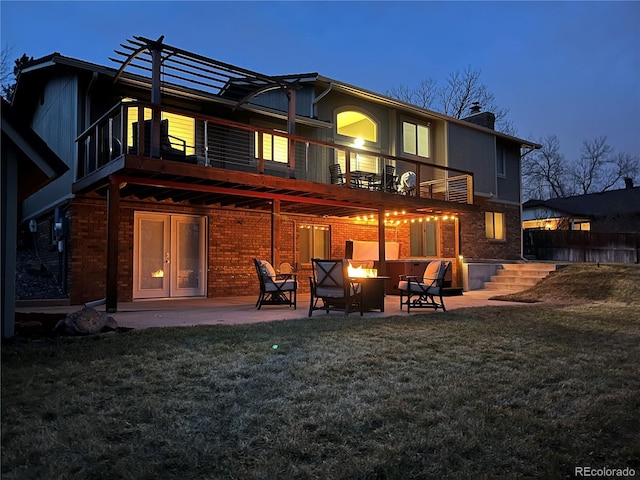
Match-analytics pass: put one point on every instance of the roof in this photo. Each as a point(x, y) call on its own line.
point(38, 164)
point(612, 202)
point(194, 75)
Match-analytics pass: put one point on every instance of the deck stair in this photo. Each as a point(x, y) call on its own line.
point(519, 276)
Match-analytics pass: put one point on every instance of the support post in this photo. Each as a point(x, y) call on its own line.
point(382, 258)
point(156, 63)
point(113, 227)
point(9, 220)
point(275, 233)
point(291, 129)
point(456, 250)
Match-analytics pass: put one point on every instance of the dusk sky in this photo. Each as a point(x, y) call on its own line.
point(566, 68)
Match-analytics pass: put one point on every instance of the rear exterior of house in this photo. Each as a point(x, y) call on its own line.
point(182, 174)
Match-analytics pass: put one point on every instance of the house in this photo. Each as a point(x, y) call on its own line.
point(27, 164)
point(597, 227)
point(183, 168)
point(614, 211)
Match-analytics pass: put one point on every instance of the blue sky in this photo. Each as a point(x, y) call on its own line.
point(566, 68)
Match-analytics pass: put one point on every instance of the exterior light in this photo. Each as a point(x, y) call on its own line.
point(358, 142)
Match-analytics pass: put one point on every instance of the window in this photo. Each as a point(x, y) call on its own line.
point(356, 125)
point(578, 225)
point(424, 239)
point(501, 167)
point(180, 128)
point(415, 139)
point(314, 241)
point(494, 225)
point(274, 148)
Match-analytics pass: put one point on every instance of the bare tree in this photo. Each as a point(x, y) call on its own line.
point(455, 97)
point(544, 172)
point(547, 174)
point(598, 169)
point(7, 80)
point(5, 65)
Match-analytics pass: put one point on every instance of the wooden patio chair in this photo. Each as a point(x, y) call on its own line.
point(275, 289)
point(330, 284)
point(421, 292)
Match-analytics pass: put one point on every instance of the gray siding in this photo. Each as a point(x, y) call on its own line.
point(509, 187)
point(277, 100)
point(56, 121)
point(474, 151)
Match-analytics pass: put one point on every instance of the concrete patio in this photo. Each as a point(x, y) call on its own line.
point(241, 310)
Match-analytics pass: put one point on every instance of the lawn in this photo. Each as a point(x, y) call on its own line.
point(512, 391)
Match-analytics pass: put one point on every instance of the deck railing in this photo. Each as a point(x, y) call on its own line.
point(177, 135)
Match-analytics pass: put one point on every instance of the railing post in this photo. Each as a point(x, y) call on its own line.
point(124, 130)
point(140, 148)
point(96, 149)
point(347, 167)
point(260, 153)
point(206, 143)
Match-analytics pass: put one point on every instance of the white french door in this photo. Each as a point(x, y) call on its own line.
point(169, 258)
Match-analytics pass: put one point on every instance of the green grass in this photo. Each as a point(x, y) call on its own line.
point(524, 391)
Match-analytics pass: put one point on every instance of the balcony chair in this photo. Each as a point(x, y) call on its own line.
point(171, 148)
point(338, 177)
point(390, 179)
point(331, 284)
point(275, 289)
point(420, 292)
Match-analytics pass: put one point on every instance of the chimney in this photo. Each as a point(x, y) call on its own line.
point(484, 119)
point(628, 182)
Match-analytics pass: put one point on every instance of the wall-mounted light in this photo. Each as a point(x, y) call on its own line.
point(358, 142)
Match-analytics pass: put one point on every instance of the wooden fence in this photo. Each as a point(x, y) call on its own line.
point(580, 246)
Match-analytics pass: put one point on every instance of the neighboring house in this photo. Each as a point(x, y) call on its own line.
point(27, 164)
point(184, 168)
point(614, 211)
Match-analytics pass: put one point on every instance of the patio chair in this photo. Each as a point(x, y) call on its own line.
point(330, 284)
point(275, 289)
point(390, 179)
point(338, 177)
point(171, 147)
point(421, 292)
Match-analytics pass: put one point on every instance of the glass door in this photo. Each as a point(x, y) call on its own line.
point(169, 256)
point(188, 253)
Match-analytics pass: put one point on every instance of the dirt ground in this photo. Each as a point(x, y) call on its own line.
point(37, 325)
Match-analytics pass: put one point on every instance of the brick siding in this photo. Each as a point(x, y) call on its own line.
point(237, 236)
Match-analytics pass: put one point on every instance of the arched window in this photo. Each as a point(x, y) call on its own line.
point(356, 125)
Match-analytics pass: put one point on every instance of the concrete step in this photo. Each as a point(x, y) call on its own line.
point(548, 267)
point(505, 287)
point(515, 279)
point(519, 276)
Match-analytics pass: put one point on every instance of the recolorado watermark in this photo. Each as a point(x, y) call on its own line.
point(604, 472)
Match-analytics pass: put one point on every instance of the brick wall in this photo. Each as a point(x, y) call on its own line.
point(473, 241)
point(236, 236)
